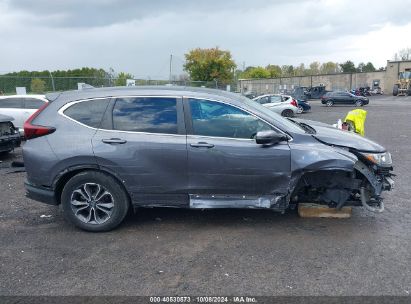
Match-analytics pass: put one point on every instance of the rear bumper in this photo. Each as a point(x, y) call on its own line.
point(40, 194)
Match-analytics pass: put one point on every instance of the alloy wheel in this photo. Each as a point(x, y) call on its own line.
point(91, 203)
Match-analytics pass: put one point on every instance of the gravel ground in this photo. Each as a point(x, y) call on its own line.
point(217, 252)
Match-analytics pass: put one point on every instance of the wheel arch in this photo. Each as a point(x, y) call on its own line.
point(64, 176)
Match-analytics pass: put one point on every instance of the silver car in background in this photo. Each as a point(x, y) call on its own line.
point(278, 104)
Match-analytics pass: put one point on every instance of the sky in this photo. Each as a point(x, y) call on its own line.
point(138, 36)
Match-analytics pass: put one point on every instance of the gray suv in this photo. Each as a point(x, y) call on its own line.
point(97, 152)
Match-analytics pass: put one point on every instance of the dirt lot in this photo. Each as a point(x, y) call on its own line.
point(223, 252)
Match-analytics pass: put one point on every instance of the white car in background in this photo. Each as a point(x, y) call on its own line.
point(287, 107)
point(21, 107)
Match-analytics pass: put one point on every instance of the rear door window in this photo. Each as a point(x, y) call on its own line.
point(33, 103)
point(88, 112)
point(146, 114)
point(11, 103)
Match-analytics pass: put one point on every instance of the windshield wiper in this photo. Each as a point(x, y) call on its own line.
point(307, 128)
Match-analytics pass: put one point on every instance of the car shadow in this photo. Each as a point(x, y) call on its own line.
point(162, 218)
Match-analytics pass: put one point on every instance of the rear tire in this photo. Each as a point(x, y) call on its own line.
point(329, 103)
point(94, 201)
point(287, 113)
point(300, 110)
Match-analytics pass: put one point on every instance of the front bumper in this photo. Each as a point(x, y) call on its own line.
point(40, 194)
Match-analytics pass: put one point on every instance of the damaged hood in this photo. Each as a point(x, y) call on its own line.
point(333, 136)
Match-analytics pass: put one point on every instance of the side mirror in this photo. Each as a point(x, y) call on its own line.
point(269, 137)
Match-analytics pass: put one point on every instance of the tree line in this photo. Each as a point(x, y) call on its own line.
point(43, 81)
point(218, 65)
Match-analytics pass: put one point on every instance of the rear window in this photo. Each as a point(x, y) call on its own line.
point(16, 103)
point(146, 114)
point(33, 103)
point(88, 112)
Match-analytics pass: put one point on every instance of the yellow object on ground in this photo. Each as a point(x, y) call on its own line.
point(357, 119)
point(310, 210)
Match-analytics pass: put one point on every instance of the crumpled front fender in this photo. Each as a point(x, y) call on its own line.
point(318, 158)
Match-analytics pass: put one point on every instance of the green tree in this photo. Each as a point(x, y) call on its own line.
point(329, 68)
point(274, 70)
point(121, 79)
point(369, 67)
point(287, 70)
point(37, 86)
point(210, 64)
point(300, 70)
point(315, 68)
point(360, 67)
point(257, 72)
point(348, 67)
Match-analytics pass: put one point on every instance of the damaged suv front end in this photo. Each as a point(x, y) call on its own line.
point(354, 172)
point(9, 134)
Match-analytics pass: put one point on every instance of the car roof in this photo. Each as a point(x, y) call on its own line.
point(39, 96)
point(143, 90)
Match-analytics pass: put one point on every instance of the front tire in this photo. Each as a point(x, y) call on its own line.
point(94, 201)
point(300, 110)
point(358, 103)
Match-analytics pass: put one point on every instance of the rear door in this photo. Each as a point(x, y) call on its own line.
point(223, 157)
point(275, 100)
point(142, 139)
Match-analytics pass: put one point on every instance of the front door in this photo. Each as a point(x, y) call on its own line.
point(223, 157)
point(143, 141)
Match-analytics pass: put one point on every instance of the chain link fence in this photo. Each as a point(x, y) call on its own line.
point(44, 84)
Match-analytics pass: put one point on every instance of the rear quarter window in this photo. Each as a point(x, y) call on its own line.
point(88, 112)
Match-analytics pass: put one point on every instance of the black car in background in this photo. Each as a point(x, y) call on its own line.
point(9, 135)
point(332, 98)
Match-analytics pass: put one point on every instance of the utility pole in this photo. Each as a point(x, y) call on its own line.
point(52, 81)
point(171, 62)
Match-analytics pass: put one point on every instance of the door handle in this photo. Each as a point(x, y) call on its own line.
point(202, 145)
point(114, 141)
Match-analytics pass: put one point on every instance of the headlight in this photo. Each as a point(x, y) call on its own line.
point(380, 159)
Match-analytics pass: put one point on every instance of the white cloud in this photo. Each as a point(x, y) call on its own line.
point(139, 36)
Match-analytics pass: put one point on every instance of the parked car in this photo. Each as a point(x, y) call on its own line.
point(9, 134)
point(332, 98)
point(20, 107)
point(100, 151)
point(250, 95)
point(278, 104)
point(302, 105)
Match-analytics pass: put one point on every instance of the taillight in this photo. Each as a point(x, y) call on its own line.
point(32, 131)
point(294, 103)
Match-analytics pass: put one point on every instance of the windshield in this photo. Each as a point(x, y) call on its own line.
point(405, 75)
